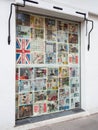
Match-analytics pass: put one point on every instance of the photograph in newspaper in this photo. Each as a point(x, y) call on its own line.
point(73, 48)
point(25, 111)
point(73, 38)
point(77, 102)
point(37, 58)
point(50, 52)
point(64, 104)
point(50, 23)
point(40, 72)
point(39, 34)
point(39, 85)
point(52, 106)
point(23, 19)
point(74, 82)
point(62, 36)
point(63, 72)
point(73, 59)
point(61, 104)
point(53, 72)
point(63, 58)
point(52, 95)
point(52, 83)
point(74, 71)
point(26, 73)
point(50, 58)
point(77, 105)
point(38, 22)
point(64, 101)
point(23, 31)
point(63, 82)
point(63, 48)
point(39, 108)
point(50, 35)
point(61, 25)
point(63, 93)
point(73, 27)
point(75, 92)
point(39, 96)
point(25, 98)
point(24, 85)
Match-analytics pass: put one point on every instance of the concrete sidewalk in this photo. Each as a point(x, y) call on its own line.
point(85, 123)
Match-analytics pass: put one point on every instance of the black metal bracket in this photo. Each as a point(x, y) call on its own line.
point(92, 22)
point(58, 8)
point(9, 20)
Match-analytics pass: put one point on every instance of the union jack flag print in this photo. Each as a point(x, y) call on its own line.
point(22, 51)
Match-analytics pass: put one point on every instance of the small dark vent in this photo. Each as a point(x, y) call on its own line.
point(58, 8)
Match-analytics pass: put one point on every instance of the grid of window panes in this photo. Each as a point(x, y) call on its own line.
point(47, 65)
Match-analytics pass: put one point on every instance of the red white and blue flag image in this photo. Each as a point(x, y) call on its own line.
point(22, 51)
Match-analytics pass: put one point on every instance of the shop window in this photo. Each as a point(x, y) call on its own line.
point(47, 65)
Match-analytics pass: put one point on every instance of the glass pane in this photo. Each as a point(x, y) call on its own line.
point(47, 65)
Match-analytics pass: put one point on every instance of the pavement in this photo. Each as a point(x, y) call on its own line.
point(84, 123)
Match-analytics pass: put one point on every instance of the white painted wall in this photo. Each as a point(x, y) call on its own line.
point(7, 68)
point(89, 5)
point(89, 65)
point(91, 70)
